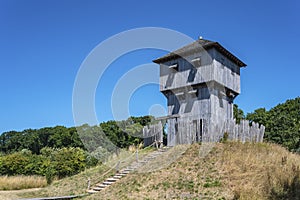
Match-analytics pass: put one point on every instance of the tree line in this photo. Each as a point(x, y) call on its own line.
point(59, 151)
point(121, 133)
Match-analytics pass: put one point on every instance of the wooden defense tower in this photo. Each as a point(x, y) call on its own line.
point(200, 81)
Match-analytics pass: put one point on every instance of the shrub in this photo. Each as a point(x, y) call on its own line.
point(68, 161)
point(14, 164)
point(52, 162)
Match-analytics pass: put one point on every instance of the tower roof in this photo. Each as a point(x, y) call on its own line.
point(196, 46)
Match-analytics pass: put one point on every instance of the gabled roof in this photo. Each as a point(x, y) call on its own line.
point(196, 46)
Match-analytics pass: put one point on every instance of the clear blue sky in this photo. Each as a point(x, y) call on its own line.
point(43, 43)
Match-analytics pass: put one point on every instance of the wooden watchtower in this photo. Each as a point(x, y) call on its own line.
point(200, 81)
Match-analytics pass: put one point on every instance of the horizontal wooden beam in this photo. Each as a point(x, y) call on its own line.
point(167, 117)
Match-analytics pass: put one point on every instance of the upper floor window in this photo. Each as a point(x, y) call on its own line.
point(174, 66)
point(180, 96)
point(196, 62)
point(193, 93)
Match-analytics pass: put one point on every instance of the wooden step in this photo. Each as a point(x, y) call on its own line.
point(111, 179)
point(91, 191)
point(97, 188)
point(100, 185)
point(124, 172)
point(107, 183)
point(121, 174)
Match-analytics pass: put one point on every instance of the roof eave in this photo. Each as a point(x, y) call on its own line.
point(173, 55)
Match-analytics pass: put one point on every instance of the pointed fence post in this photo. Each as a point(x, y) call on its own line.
point(89, 183)
point(261, 133)
point(117, 167)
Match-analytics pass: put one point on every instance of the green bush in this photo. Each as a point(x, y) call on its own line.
point(68, 161)
point(13, 164)
point(282, 123)
point(52, 162)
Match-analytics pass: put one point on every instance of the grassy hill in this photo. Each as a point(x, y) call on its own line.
point(230, 170)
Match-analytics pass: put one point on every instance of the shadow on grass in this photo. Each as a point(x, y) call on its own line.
point(288, 190)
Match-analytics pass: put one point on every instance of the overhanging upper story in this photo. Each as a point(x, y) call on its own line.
point(198, 63)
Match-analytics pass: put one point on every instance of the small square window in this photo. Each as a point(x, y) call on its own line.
point(180, 96)
point(174, 66)
point(196, 62)
point(193, 93)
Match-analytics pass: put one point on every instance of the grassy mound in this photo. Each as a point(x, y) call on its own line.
point(229, 170)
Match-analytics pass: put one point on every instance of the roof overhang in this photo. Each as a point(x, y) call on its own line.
point(196, 47)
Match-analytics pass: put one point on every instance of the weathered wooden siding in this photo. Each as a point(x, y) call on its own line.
point(207, 104)
point(152, 133)
point(245, 131)
point(189, 103)
point(189, 130)
point(204, 74)
point(214, 68)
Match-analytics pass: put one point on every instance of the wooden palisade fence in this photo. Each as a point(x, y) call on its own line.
point(153, 133)
point(188, 130)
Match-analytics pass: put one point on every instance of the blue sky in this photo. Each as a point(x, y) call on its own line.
point(43, 43)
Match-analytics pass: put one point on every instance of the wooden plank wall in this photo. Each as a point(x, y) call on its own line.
point(245, 131)
point(188, 130)
point(213, 72)
point(152, 133)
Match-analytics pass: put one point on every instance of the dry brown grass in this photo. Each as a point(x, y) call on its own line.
point(259, 171)
point(189, 177)
point(21, 182)
point(73, 185)
point(77, 184)
point(230, 171)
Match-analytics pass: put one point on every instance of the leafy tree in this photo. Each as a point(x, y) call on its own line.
point(94, 137)
point(35, 140)
point(143, 120)
point(23, 162)
point(238, 113)
point(260, 116)
point(14, 164)
point(68, 161)
point(282, 123)
point(11, 141)
point(110, 133)
point(59, 151)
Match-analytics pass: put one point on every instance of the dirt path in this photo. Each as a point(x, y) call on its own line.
point(13, 194)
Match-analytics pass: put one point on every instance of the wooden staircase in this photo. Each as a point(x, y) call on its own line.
point(124, 172)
